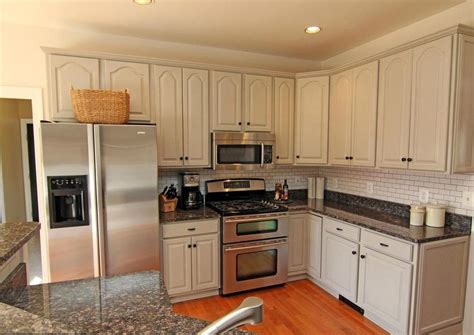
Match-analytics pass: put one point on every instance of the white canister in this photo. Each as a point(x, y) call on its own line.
point(417, 205)
point(417, 217)
point(435, 215)
point(320, 188)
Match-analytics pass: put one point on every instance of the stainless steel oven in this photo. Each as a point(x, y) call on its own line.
point(243, 151)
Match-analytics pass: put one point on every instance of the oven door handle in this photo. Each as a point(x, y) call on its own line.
point(257, 219)
point(255, 246)
point(262, 154)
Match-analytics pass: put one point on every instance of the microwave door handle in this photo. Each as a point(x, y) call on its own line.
point(262, 151)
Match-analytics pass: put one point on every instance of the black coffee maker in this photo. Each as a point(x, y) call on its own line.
point(191, 197)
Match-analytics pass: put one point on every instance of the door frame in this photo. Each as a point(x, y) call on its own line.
point(26, 166)
point(35, 94)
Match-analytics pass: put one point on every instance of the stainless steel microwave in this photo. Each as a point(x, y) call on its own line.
point(243, 151)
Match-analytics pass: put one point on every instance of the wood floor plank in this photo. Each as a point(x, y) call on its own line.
point(299, 307)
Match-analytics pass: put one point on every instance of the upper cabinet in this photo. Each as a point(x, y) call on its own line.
point(258, 103)
point(67, 71)
point(311, 121)
point(284, 104)
point(353, 115)
point(182, 109)
point(414, 107)
point(226, 101)
point(135, 77)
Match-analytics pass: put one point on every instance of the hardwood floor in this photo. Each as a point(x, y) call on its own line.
point(299, 307)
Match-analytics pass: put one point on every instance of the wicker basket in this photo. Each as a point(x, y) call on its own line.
point(100, 106)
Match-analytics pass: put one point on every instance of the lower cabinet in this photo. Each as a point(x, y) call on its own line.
point(297, 244)
point(340, 263)
point(191, 264)
point(384, 288)
point(314, 235)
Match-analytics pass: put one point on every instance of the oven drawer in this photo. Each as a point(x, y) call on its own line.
point(387, 245)
point(341, 229)
point(189, 228)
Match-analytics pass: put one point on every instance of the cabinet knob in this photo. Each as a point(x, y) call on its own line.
point(297, 156)
point(180, 158)
point(278, 157)
point(186, 158)
point(404, 159)
point(194, 245)
point(189, 245)
point(362, 256)
point(240, 123)
point(354, 252)
point(409, 159)
point(248, 123)
point(351, 158)
point(347, 157)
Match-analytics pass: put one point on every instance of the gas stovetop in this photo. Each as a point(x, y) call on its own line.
point(245, 206)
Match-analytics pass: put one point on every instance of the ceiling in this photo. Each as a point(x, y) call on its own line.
point(264, 26)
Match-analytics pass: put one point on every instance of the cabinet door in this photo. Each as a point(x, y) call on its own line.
point(205, 262)
point(311, 124)
point(226, 101)
point(430, 105)
point(135, 77)
point(314, 231)
point(284, 102)
point(340, 263)
point(67, 71)
point(167, 97)
point(364, 114)
point(384, 288)
point(196, 117)
point(394, 110)
point(340, 118)
point(177, 265)
point(297, 244)
point(258, 103)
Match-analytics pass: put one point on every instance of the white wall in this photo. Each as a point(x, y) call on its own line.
point(462, 13)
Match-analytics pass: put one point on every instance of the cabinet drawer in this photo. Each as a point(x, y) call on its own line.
point(342, 229)
point(189, 228)
point(387, 245)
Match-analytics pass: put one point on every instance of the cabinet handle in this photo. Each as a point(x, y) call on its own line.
point(404, 159)
point(194, 245)
point(189, 245)
point(240, 123)
point(191, 229)
point(362, 256)
point(339, 229)
point(409, 159)
point(383, 245)
point(248, 123)
point(354, 252)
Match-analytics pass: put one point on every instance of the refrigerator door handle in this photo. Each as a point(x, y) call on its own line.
point(100, 203)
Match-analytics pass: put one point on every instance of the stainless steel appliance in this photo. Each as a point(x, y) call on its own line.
point(191, 197)
point(254, 234)
point(118, 168)
point(243, 151)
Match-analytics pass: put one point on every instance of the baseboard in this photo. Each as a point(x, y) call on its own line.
point(192, 296)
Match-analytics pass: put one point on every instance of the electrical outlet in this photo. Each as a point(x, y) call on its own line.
point(370, 187)
point(424, 195)
point(467, 199)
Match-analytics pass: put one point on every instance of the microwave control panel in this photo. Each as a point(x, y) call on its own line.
point(267, 154)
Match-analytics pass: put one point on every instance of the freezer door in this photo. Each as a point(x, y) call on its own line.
point(127, 173)
point(68, 151)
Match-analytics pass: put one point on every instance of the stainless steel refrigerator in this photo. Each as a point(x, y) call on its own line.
point(102, 199)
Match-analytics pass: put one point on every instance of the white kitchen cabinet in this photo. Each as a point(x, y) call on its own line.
point(177, 265)
point(314, 235)
point(226, 101)
point(429, 119)
point(311, 121)
point(385, 288)
point(414, 107)
point(135, 77)
point(258, 99)
point(353, 115)
point(67, 71)
point(196, 135)
point(181, 103)
point(168, 105)
point(284, 105)
point(340, 262)
point(297, 244)
point(205, 262)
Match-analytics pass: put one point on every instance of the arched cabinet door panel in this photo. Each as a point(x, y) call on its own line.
point(226, 101)
point(284, 105)
point(258, 103)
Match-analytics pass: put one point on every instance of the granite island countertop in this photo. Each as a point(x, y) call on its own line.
point(381, 216)
point(130, 303)
point(13, 236)
point(179, 214)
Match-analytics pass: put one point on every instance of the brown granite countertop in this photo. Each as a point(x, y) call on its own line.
point(390, 224)
point(188, 214)
point(13, 235)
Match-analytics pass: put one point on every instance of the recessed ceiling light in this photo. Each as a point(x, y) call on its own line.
point(312, 30)
point(143, 2)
